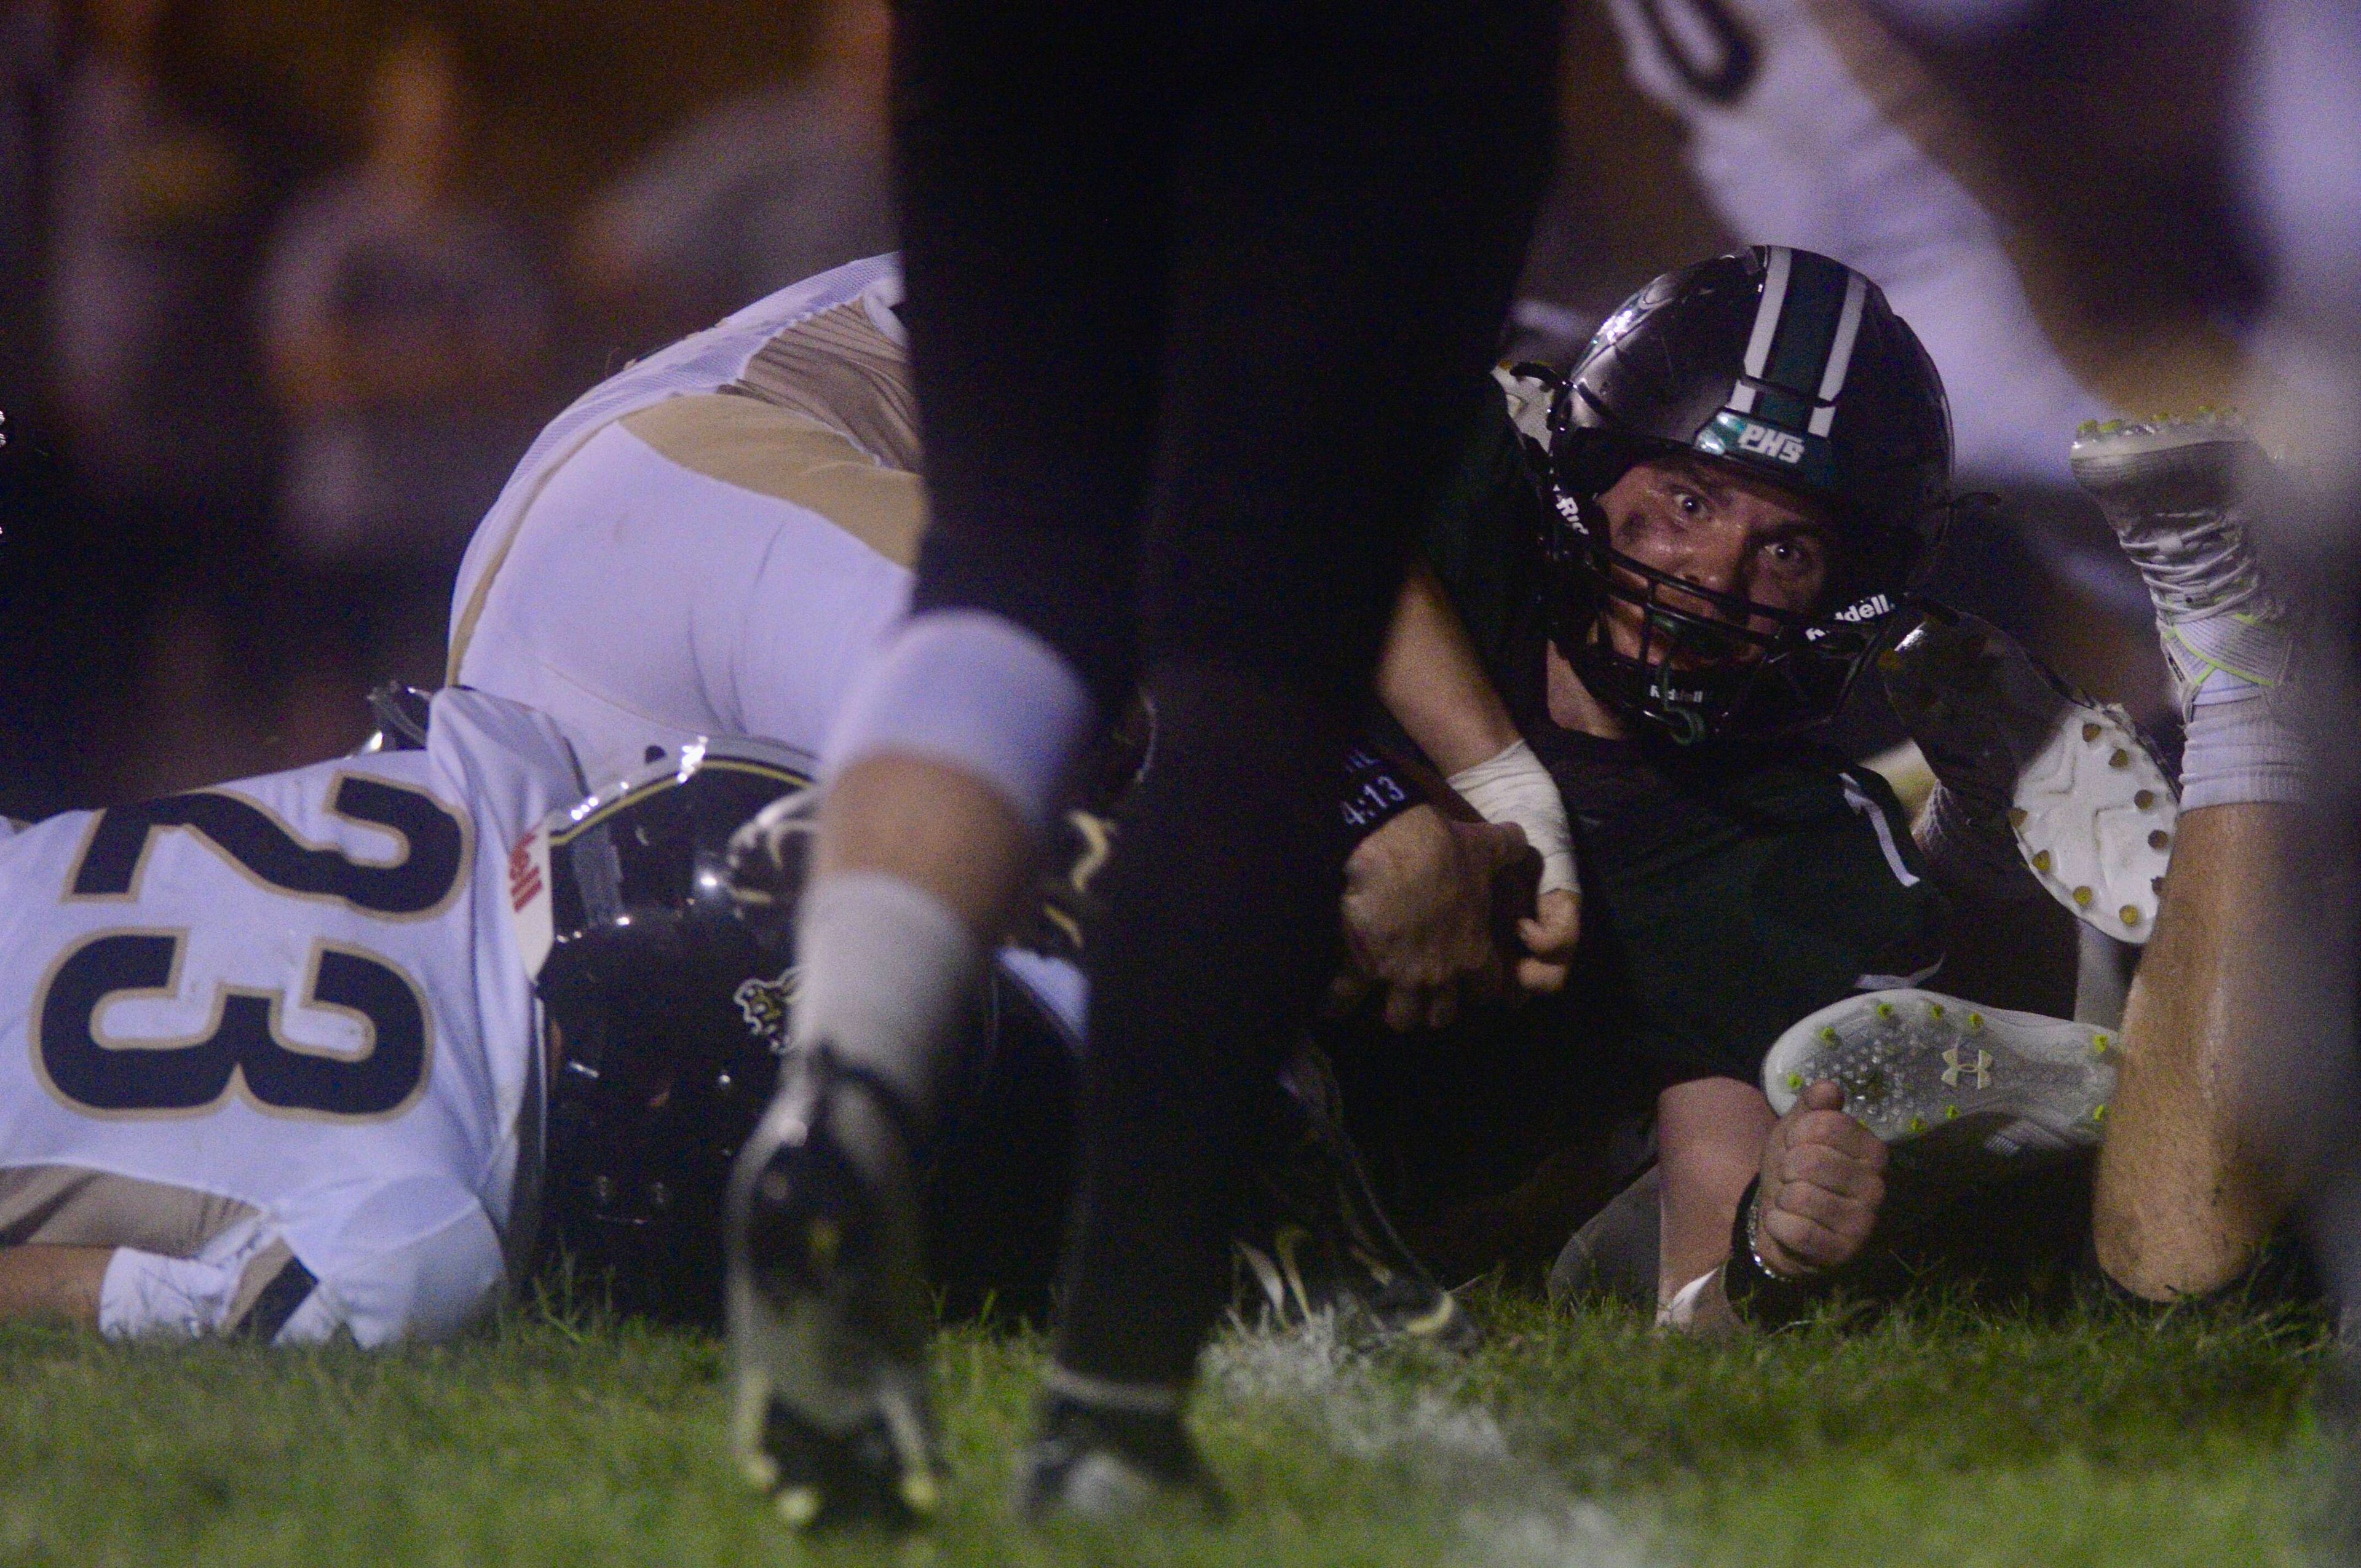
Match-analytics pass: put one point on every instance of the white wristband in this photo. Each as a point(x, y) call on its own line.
point(144, 1293)
point(1514, 788)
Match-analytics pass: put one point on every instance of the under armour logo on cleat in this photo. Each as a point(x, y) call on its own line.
point(1954, 1068)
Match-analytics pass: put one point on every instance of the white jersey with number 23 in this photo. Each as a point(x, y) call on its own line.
point(272, 1041)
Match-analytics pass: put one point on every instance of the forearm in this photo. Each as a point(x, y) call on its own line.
point(1431, 681)
point(52, 1284)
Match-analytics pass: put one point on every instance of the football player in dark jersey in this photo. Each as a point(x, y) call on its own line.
point(1746, 477)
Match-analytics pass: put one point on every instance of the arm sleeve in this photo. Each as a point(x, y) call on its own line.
point(1482, 535)
point(147, 1295)
point(151, 1294)
point(418, 1259)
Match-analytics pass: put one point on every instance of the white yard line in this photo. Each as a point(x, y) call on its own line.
point(1513, 1511)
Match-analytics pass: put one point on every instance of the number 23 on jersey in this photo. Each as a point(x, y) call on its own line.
point(242, 1051)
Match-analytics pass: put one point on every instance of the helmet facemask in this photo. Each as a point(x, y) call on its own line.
point(1708, 664)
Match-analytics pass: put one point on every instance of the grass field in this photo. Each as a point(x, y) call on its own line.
point(1936, 1436)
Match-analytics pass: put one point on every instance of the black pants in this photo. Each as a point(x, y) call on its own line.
point(1200, 298)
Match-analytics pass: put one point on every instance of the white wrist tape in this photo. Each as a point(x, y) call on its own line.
point(145, 1293)
point(1514, 788)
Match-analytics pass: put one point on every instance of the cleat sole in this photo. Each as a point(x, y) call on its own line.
point(2094, 817)
point(1911, 1060)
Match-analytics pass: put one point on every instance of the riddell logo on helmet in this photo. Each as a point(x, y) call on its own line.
point(1870, 608)
point(1769, 443)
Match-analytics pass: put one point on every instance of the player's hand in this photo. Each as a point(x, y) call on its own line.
point(1418, 912)
point(1550, 933)
point(1823, 1179)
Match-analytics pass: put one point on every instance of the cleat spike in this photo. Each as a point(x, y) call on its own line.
point(2145, 800)
point(2131, 914)
point(2091, 731)
point(2083, 896)
point(2041, 862)
point(2121, 759)
point(798, 1506)
point(2159, 839)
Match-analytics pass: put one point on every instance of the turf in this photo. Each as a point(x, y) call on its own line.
point(1938, 1436)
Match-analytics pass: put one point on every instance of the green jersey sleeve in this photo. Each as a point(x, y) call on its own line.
point(1482, 535)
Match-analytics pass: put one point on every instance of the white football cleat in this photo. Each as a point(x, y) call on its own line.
point(1915, 1063)
point(2173, 490)
point(2028, 760)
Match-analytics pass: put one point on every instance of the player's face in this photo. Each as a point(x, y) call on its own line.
point(1722, 529)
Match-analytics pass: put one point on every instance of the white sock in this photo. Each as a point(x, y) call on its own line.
point(2245, 745)
point(977, 692)
point(885, 970)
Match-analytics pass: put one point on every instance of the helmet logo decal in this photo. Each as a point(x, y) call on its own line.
point(763, 1005)
point(1734, 435)
point(1770, 443)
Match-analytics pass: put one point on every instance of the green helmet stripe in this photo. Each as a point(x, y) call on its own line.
point(1808, 327)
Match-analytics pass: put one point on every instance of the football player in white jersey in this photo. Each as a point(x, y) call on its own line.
point(264, 1055)
point(349, 1048)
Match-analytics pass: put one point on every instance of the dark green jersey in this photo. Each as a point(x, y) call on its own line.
point(1728, 890)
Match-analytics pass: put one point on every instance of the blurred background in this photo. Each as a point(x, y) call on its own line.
point(286, 286)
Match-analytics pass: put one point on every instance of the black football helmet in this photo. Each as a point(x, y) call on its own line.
point(1791, 366)
point(666, 1007)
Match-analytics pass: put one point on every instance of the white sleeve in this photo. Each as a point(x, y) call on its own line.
point(418, 1259)
point(145, 1293)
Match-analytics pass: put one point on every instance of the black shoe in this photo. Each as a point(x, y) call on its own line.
point(1319, 1244)
point(829, 1314)
point(1095, 1462)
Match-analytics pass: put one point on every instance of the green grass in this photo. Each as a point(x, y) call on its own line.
point(1938, 1436)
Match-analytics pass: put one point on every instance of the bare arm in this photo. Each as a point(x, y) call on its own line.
point(52, 1284)
point(1432, 681)
point(1418, 912)
point(1822, 1183)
